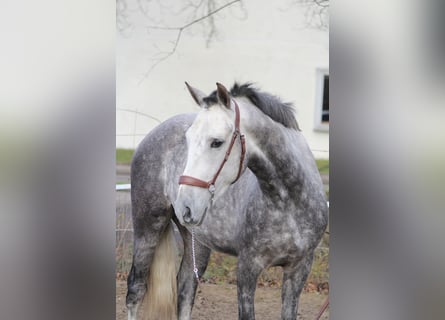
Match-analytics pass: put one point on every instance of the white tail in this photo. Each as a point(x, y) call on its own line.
point(160, 301)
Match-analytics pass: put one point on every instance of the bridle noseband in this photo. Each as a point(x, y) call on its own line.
point(210, 185)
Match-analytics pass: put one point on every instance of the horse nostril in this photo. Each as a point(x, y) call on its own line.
point(187, 215)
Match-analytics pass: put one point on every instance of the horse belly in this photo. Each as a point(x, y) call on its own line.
point(280, 240)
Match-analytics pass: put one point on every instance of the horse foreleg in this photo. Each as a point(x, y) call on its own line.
point(187, 282)
point(247, 276)
point(294, 277)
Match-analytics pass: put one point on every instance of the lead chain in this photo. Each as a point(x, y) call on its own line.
point(195, 269)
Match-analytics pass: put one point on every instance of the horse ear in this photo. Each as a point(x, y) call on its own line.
point(197, 95)
point(223, 95)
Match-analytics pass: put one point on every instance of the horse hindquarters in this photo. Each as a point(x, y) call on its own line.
point(160, 299)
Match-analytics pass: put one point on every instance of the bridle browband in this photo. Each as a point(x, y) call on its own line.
point(210, 185)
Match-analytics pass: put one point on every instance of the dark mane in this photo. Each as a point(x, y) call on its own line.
point(270, 105)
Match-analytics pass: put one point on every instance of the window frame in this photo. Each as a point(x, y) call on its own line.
point(319, 90)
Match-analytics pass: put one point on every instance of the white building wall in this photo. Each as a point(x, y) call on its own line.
point(272, 47)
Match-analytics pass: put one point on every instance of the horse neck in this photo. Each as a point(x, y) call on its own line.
point(276, 155)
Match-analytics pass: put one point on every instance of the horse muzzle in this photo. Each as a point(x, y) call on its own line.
point(191, 220)
point(189, 215)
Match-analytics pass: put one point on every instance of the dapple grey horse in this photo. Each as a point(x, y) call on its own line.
point(238, 175)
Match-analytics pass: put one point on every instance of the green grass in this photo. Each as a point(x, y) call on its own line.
point(124, 156)
point(323, 165)
point(221, 269)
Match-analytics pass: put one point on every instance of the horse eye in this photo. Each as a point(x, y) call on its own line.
point(216, 143)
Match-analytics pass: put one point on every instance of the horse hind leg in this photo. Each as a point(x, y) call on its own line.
point(153, 260)
point(294, 277)
point(137, 278)
point(187, 282)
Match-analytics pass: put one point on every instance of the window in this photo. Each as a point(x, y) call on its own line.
point(322, 100)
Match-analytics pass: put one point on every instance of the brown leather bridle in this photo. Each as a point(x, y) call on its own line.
point(210, 185)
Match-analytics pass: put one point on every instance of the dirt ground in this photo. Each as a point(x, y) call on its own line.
point(218, 302)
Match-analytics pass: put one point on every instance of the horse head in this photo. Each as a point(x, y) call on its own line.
point(215, 158)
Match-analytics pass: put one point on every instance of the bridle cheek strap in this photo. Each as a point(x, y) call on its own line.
point(210, 185)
